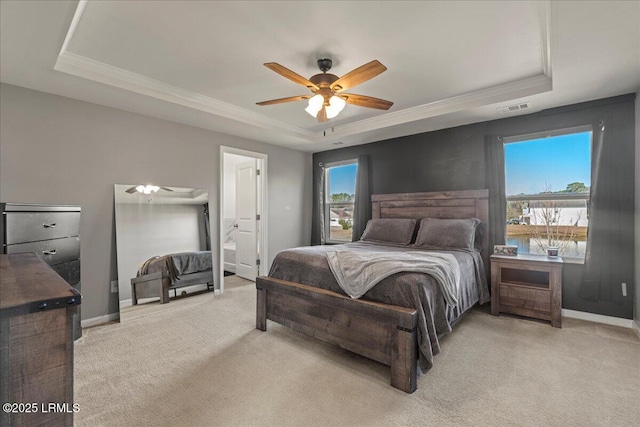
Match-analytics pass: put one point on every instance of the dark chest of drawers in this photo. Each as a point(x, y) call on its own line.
point(50, 231)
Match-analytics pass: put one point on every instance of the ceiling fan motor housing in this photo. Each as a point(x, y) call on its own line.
point(325, 64)
point(324, 81)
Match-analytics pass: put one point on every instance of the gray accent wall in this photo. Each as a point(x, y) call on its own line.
point(453, 159)
point(62, 151)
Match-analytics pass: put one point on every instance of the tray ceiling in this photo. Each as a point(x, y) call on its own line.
point(448, 62)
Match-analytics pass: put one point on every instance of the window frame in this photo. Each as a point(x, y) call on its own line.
point(327, 204)
point(553, 196)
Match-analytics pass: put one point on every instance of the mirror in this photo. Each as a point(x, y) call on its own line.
point(163, 243)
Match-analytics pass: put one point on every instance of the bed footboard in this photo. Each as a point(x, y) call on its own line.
point(158, 285)
point(381, 332)
point(150, 286)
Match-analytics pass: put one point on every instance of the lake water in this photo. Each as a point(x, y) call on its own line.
point(528, 246)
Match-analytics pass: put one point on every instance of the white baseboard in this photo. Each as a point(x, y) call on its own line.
point(230, 267)
point(636, 327)
point(598, 318)
point(125, 303)
point(94, 321)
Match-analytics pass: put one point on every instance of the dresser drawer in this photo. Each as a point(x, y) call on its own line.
point(69, 271)
point(51, 251)
point(24, 227)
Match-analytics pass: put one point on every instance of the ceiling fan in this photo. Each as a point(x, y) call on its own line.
point(329, 99)
point(146, 189)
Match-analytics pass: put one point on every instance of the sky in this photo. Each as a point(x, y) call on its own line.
point(342, 179)
point(531, 167)
point(547, 164)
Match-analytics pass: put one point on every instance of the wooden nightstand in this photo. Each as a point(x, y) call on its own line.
point(527, 285)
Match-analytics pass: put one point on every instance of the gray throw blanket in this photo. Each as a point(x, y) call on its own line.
point(357, 272)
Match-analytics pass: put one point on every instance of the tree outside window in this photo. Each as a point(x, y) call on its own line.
point(547, 182)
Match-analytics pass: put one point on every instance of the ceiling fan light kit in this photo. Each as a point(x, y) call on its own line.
point(315, 105)
point(335, 105)
point(328, 99)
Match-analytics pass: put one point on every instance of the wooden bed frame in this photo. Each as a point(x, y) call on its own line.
point(382, 332)
point(158, 285)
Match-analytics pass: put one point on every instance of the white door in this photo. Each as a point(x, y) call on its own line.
point(246, 219)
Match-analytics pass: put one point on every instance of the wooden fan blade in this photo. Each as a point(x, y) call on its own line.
point(366, 101)
point(131, 190)
point(358, 76)
point(281, 100)
point(166, 189)
point(294, 77)
point(322, 115)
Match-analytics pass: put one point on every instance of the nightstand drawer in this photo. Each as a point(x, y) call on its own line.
point(23, 227)
point(522, 297)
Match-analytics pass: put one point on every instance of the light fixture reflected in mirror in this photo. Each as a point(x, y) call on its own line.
point(147, 189)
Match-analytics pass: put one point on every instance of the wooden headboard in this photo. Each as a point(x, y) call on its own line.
point(444, 204)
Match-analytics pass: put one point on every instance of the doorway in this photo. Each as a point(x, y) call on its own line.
point(243, 237)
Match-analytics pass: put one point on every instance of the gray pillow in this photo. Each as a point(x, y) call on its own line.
point(447, 233)
point(398, 231)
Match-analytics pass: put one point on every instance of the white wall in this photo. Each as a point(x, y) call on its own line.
point(59, 150)
point(147, 230)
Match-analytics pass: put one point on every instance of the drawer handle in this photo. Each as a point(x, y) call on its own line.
point(53, 252)
point(49, 225)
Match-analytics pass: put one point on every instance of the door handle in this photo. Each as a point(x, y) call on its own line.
point(52, 252)
point(49, 225)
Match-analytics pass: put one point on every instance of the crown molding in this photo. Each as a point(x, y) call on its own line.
point(77, 15)
point(82, 66)
point(492, 95)
point(545, 17)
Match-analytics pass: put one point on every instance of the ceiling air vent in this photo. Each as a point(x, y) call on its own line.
point(337, 143)
point(513, 108)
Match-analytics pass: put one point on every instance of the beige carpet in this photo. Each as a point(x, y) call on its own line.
point(199, 361)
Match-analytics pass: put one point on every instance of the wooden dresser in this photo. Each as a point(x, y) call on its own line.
point(527, 285)
point(52, 232)
point(36, 343)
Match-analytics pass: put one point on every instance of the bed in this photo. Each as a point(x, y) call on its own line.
point(159, 274)
point(400, 320)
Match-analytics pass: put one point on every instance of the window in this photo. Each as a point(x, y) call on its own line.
point(547, 182)
point(340, 191)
